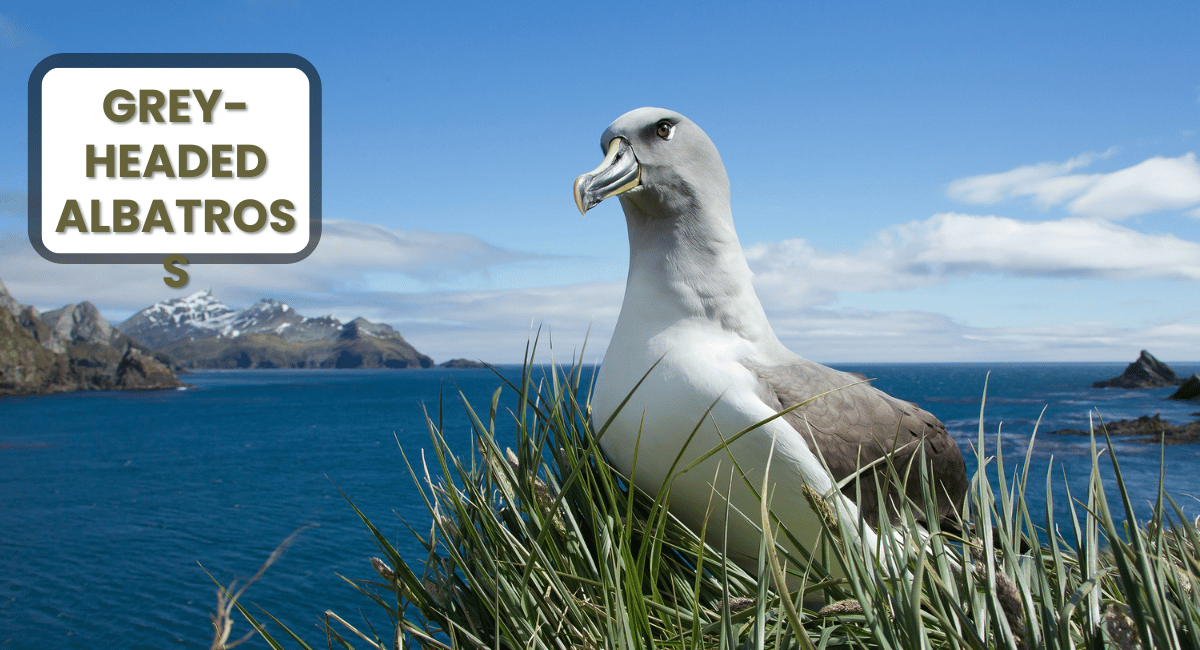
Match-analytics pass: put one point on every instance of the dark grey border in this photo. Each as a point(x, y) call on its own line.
point(172, 61)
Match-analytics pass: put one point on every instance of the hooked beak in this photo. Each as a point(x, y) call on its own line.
point(618, 173)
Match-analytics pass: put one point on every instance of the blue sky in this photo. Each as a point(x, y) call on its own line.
point(942, 182)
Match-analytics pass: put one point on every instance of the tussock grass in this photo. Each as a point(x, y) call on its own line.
point(546, 546)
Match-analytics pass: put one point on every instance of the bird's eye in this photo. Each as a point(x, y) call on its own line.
point(665, 130)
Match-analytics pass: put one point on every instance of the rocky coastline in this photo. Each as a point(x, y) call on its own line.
point(73, 348)
point(1146, 428)
point(1144, 373)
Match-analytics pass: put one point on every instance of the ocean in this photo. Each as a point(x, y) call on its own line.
point(114, 504)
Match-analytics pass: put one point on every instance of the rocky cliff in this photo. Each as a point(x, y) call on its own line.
point(73, 348)
point(1189, 390)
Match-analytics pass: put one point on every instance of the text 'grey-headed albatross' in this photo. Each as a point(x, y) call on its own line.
point(691, 314)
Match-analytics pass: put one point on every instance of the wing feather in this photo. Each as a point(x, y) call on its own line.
point(855, 424)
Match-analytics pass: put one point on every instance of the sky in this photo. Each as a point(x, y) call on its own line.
point(938, 182)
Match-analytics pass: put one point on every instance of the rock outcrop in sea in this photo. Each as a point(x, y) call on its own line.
point(203, 332)
point(1146, 372)
point(73, 348)
point(1147, 428)
point(1189, 390)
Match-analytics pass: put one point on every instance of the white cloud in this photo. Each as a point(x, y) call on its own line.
point(935, 250)
point(1047, 183)
point(799, 285)
point(855, 335)
point(496, 325)
point(1152, 185)
point(418, 253)
point(1149, 186)
point(348, 254)
point(492, 325)
point(959, 243)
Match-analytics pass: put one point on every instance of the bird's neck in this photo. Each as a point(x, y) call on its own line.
point(690, 268)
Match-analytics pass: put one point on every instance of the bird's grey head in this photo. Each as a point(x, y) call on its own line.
point(659, 161)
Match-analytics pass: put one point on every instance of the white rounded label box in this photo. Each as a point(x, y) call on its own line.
point(135, 157)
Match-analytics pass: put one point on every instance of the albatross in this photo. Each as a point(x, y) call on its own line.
point(694, 334)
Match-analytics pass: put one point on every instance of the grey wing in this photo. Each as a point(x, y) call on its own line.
point(856, 424)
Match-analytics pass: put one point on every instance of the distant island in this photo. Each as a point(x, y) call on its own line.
point(75, 348)
point(462, 363)
point(202, 332)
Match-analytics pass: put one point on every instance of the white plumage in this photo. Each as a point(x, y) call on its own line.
point(690, 308)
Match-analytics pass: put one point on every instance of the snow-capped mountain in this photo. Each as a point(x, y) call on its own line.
point(201, 331)
point(197, 316)
point(202, 315)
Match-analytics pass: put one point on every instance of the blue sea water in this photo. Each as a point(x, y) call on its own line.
point(111, 501)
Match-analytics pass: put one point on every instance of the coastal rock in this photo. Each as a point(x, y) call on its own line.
point(81, 323)
point(1147, 428)
point(140, 371)
point(73, 348)
point(89, 340)
point(1146, 372)
point(26, 366)
point(31, 321)
point(106, 367)
point(7, 301)
point(1189, 390)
